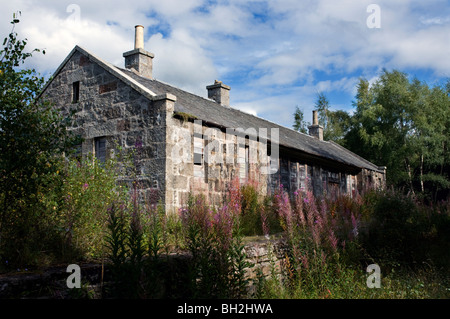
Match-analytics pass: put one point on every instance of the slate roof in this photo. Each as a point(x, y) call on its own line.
point(214, 113)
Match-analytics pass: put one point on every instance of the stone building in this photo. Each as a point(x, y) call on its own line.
point(188, 143)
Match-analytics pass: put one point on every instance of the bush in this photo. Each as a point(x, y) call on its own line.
point(32, 136)
point(67, 220)
point(89, 188)
point(250, 217)
point(400, 228)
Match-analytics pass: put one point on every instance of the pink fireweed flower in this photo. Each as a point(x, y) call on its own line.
point(234, 197)
point(316, 236)
point(299, 209)
point(223, 226)
point(355, 225)
point(285, 210)
point(333, 240)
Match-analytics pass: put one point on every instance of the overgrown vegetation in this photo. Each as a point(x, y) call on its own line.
point(331, 242)
point(328, 244)
point(32, 138)
point(66, 210)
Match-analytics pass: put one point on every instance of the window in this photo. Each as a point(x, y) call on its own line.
point(302, 177)
point(100, 149)
point(333, 177)
point(244, 162)
point(198, 149)
point(343, 183)
point(75, 91)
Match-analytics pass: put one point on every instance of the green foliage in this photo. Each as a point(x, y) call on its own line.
point(402, 230)
point(323, 108)
point(239, 282)
point(339, 123)
point(399, 123)
point(403, 124)
point(329, 240)
point(89, 188)
point(32, 137)
point(117, 247)
point(250, 217)
point(299, 124)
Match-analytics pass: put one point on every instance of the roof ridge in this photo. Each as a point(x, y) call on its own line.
point(229, 107)
point(107, 66)
point(298, 141)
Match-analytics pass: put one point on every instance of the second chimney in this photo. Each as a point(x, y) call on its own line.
point(315, 129)
point(219, 92)
point(139, 60)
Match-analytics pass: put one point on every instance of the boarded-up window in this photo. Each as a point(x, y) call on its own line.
point(333, 177)
point(302, 177)
point(284, 172)
point(324, 180)
point(353, 185)
point(343, 183)
point(274, 177)
point(100, 149)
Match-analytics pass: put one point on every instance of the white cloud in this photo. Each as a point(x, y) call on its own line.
point(180, 62)
point(275, 54)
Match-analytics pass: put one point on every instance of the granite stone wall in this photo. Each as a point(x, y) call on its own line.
point(109, 108)
point(175, 154)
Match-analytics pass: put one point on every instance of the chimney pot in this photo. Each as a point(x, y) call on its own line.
point(139, 37)
point(315, 118)
point(315, 129)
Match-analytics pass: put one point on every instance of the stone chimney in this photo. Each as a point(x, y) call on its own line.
point(315, 129)
point(139, 60)
point(219, 92)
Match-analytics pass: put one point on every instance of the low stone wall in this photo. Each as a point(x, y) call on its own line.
point(265, 255)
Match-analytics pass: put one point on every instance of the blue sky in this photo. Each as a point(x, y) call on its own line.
point(275, 55)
